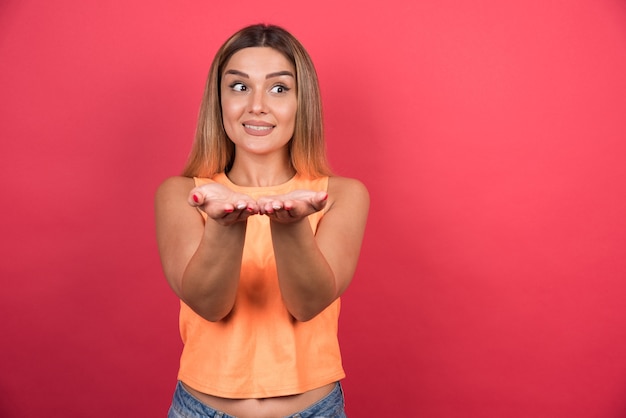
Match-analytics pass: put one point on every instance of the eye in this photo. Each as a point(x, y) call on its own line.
point(279, 88)
point(238, 87)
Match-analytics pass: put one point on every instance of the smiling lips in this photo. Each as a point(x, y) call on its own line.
point(257, 128)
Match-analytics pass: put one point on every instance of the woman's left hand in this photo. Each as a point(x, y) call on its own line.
point(293, 206)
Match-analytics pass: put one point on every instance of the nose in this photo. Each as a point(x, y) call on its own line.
point(257, 102)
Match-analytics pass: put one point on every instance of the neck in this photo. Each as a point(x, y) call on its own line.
point(260, 172)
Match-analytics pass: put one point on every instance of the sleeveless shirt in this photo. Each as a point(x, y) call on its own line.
point(259, 350)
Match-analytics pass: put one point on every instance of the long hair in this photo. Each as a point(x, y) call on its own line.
point(213, 152)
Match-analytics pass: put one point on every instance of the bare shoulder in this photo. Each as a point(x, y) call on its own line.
point(341, 189)
point(174, 214)
point(174, 187)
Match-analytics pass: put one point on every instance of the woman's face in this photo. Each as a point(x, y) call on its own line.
point(259, 100)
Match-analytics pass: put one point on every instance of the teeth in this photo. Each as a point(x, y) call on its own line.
point(258, 128)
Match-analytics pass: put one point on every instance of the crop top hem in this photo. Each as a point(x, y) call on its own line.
point(269, 393)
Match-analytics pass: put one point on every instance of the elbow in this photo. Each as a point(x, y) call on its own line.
point(213, 315)
point(209, 305)
point(212, 312)
point(214, 318)
point(300, 317)
point(307, 313)
point(307, 309)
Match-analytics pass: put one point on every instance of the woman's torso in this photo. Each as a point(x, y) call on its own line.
point(259, 351)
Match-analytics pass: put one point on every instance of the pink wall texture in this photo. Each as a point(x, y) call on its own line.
point(491, 136)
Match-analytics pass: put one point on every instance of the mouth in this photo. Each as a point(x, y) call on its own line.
point(258, 128)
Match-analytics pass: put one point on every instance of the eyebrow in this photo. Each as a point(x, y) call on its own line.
point(270, 75)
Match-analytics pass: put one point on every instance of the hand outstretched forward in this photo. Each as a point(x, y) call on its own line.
point(293, 206)
point(222, 204)
point(227, 207)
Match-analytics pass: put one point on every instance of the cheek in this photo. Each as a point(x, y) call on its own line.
point(230, 112)
point(227, 108)
point(229, 118)
point(288, 112)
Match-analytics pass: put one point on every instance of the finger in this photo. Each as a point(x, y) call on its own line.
point(319, 200)
point(219, 211)
point(321, 196)
point(195, 198)
point(252, 208)
point(277, 205)
point(269, 207)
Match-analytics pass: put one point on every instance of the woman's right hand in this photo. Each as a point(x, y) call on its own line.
point(222, 204)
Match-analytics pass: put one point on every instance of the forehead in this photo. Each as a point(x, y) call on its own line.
point(261, 60)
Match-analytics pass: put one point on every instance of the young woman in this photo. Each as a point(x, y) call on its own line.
point(259, 240)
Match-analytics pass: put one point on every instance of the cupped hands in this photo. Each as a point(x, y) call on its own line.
point(227, 207)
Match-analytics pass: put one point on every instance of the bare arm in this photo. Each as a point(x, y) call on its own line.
point(202, 260)
point(315, 269)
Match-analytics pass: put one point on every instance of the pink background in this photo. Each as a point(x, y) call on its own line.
point(492, 137)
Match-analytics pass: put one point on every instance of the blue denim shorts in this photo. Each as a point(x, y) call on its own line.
point(185, 405)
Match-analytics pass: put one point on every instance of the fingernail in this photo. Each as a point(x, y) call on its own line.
point(229, 210)
point(242, 206)
point(195, 198)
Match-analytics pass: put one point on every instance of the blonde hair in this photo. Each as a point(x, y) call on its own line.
point(213, 152)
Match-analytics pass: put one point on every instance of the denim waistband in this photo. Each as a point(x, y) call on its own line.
point(185, 405)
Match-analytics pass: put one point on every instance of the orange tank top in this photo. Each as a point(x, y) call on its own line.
point(260, 350)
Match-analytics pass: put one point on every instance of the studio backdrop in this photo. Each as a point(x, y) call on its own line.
point(490, 134)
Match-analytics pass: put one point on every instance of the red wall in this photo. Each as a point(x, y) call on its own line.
point(492, 137)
